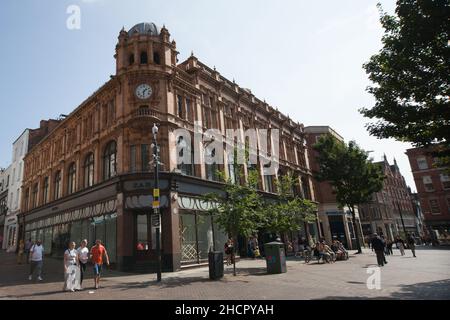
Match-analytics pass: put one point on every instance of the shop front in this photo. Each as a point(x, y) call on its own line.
point(199, 231)
point(97, 221)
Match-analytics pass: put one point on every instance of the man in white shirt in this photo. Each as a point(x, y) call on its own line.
point(36, 257)
point(83, 254)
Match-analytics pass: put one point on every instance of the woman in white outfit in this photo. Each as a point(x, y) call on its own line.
point(71, 269)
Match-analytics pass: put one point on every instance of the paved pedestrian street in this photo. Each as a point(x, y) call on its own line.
point(424, 277)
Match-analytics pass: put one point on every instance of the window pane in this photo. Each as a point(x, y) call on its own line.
point(142, 233)
point(99, 223)
point(75, 232)
point(133, 167)
point(188, 238)
point(145, 156)
point(205, 235)
point(110, 241)
point(220, 237)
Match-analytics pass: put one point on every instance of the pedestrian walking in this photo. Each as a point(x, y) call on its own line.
point(20, 252)
point(97, 253)
point(228, 248)
point(83, 257)
point(28, 245)
point(400, 245)
point(412, 245)
point(378, 246)
point(36, 260)
point(71, 269)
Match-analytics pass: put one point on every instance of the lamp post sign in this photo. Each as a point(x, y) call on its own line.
point(156, 218)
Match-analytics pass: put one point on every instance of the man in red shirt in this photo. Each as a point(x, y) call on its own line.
point(97, 253)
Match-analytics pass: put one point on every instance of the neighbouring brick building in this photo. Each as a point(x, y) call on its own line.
point(91, 178)
point(433, 189)
point(391, 208)
point(335, 222)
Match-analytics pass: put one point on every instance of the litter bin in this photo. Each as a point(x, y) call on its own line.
point(215, 259)
point(275, 257)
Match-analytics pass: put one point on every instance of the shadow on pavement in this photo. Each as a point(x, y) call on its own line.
point(420, 291)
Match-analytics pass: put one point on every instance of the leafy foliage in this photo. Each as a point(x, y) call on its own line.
point(346, 167)
point(411, 75)
point(289, 211)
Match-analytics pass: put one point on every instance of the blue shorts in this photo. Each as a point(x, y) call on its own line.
point(97, 269)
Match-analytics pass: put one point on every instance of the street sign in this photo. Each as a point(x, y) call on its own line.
point(156, 204)
point(156, 193)
point(155, 220)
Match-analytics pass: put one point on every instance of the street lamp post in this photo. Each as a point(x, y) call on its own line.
point(156, 203)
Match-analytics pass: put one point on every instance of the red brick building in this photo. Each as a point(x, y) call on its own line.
point(91, 178)
point(334, 221)
point(390, 212)
point(433, 188)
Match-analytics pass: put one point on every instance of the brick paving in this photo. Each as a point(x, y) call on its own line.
point(425, 277)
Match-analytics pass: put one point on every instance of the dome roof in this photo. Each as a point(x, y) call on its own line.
point(145, 28)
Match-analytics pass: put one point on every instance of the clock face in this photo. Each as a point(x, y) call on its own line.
point(143, 91)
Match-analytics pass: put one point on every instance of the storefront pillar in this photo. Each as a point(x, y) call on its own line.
point(170, 233)
point(125, 236)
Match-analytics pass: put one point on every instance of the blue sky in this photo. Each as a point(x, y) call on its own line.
point(304, 57)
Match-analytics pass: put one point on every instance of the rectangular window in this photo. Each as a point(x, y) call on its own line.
point(434, 206)
point(422, 163)
point(180, 106)
point(205, 117)
point(133, 165)
point(104, 116)
point(143, 242)
point(445, 179)
point(45, 191)
point(268, 181)
point(145, 157)
point(111, 112)
point(188, 110)
point(27, 199)
point(428, 183)
point(35, 195)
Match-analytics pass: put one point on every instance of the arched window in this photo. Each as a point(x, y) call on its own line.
point(57, 192)
point(110, 161)
point(71, 179)
point(144, 57)
point(89, 170)
point(131, 59)
point(156, 58)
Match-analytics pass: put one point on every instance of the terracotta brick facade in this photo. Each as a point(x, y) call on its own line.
point(433, 188)
point(99, 154)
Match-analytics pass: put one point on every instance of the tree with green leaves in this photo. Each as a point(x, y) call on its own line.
point(289, 212)
point(411, 76)
point(239, 212)
point(353, 177)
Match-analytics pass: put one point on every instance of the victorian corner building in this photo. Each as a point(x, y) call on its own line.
point(391, 212)
point(91, 177)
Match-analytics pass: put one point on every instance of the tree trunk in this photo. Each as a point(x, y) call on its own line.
point(355, 229)
point(233, 255)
